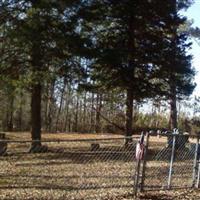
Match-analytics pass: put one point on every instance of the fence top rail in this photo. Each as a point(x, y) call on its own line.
point(68, 140)
point(170, 133)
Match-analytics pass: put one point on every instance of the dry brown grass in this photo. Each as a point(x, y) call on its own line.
point(75, 172)
point(64, 136)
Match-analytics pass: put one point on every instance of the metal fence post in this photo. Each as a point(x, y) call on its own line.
point(198, 176)
point(198, 169)
point(137, 176)
point(171, 162)
point(194, 174)
point(137, 170)
point(144, 162)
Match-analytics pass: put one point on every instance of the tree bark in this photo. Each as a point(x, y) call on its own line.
point(92, 114)
point(173, 108)
point(129, 114)
point(36, 115)
point(10, 113)
point(67, 104)
point(130, 80)
point(98, 111)
point(60, 105)
point(46, 105)
point(36, 93)
point(66, 116)
point(50, 107)
point(76, 115)
point(20, 112)
point(84, 111)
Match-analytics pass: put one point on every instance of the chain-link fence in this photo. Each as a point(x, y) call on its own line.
point(171, 161)
point(70, 169)
point(97, 168)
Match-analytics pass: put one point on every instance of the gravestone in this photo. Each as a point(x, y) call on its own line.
point(181, 141)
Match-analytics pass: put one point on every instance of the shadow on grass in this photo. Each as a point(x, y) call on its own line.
point(7, 176)
point(155, 197)
point(65, 187)
point(76, 156)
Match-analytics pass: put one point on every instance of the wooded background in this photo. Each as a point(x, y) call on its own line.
point(96, 66)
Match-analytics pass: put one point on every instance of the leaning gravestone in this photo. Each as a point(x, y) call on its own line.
point(3, 144)
point(180, 142)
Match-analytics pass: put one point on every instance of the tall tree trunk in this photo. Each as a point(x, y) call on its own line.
point(173, 108)
point(46, 104)
point(80, 114)
point(67, 104)
point(60, 105)
point(129, 91)
point(36, 115)
point(129, 114)
point(50, 101)
point(98, 111)
point(84, 111)
point(10, 113)
point(36, 92)
point(20, 111)
point(70, 123)
point(66, 116)
point(92, 114)
point(76, 116)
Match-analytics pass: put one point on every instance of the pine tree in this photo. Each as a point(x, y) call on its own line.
point(128, 37)
point(175, 71)
point(46, 32)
